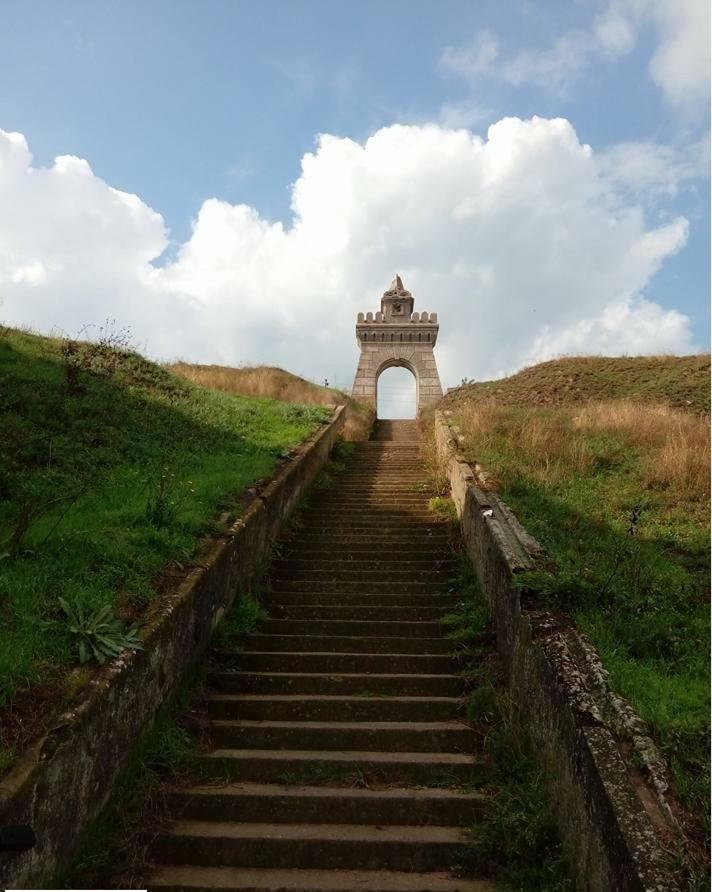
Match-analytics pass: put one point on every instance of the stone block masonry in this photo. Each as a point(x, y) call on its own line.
point(397, 337)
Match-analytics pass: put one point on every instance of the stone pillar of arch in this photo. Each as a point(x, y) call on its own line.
point(396, 336)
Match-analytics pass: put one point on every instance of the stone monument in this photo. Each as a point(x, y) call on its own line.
point(396, 336)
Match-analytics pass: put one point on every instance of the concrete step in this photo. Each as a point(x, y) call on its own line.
point(335, 662)
point(348, 644)
point(387, 541)
point(358, 486)
point(357, 526)
point(445, 601)
point(365, 497)
point(356, 552)
point(389, 532)
point(353, 587)
point(369, 628)
point(347, 767)
point(276, 803)
point(364, 569)
point(361, 489)
point(360, 707)
point(181, 878)
point(389, 515)
point(367, 500)
point(325, 612)
point(404, 685)
point(369, 736)
point(292, 570)
point(342, 726)
point(326, 846)
point(380, 464)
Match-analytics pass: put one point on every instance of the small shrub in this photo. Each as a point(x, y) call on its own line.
point(100, 636)
point(100, 357)
point(165, 501)
point(243, 618)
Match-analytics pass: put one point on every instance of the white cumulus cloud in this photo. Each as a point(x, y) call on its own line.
point(522, 241)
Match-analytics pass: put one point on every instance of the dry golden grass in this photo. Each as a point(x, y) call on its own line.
point(274, 383)
point(434, 466)
point(672, 445)
point(675, 445)
point(682, 382)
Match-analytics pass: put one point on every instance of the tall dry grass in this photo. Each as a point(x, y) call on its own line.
point(672, 446)
point(275, 383)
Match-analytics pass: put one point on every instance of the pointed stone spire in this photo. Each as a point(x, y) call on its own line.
point(396, 288)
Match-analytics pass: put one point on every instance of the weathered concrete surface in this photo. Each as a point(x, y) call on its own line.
point(387, 725)
point(606, 778)
point(66, 777)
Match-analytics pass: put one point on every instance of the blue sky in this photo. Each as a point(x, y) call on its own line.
point(179, 102)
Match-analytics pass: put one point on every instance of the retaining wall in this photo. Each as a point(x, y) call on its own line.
point(607, 781)
point(65, 779)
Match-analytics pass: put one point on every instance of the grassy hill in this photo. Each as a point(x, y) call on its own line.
point(111, 469)
point(269, 381)
point(606, 462)
point(679, 381)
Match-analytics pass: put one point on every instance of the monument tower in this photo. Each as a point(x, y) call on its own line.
point(397, 336)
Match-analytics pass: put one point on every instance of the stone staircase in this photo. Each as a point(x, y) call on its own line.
point(339, 752)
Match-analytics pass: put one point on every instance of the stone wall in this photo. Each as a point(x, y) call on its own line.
point(607, 781)
point(65, 779)
point(417, 358)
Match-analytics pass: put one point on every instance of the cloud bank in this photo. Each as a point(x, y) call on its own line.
point(523, 242)
point(679, 65)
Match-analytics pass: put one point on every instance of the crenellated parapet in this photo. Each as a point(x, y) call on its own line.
point(396, 336)
point(379, 317)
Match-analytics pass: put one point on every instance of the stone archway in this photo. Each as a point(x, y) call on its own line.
point(397, 337)
point(412, 397)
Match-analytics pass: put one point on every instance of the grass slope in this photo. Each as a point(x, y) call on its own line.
point(270, 381)
point(111, 468)
point(680, 381)
point(617, 491)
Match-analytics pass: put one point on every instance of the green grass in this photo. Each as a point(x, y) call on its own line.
point(111, 468)
point(242, 618)
point(444, 507)
point(516, 840)
point(642, 598)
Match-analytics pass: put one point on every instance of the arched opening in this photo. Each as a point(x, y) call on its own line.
point(396, 393)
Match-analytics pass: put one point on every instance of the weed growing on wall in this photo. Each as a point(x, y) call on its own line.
point(243, 617)
point(99, 635)
point(112, 849)
point(516, 840)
